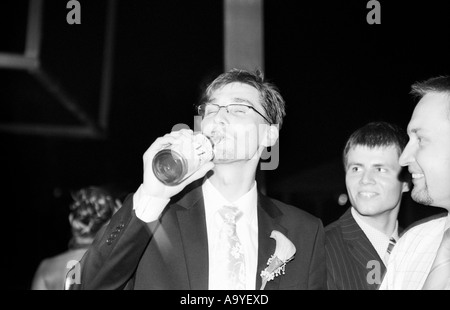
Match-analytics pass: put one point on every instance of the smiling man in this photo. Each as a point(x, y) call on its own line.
point(421, 260)
point(358, 244)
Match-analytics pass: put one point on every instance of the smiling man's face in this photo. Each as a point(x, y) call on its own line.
point(427, 153)
point(372, 179)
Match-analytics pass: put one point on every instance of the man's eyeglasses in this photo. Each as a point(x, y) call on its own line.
point(210, 109)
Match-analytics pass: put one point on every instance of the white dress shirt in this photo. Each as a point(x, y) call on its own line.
point(148, 209)
point(379, 240)
point(246, 227)
point(412, 257)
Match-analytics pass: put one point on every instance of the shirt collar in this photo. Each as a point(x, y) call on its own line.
point(379, 240)
point(447, 222)
point(214, 200)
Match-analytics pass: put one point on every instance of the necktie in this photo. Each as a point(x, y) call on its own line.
point(232, 252)
point(391, 245)
point(439, 276)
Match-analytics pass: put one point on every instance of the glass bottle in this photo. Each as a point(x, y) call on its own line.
point(177, 162)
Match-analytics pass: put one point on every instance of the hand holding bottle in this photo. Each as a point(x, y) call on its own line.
point(182, 157)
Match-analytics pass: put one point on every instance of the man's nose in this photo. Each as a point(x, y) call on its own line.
point(221, 115)
point(367, 177)
point(407, 156)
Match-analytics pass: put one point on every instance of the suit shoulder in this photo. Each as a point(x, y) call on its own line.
point(333, 227)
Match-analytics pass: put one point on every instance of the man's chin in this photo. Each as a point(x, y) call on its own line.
point(422, 197)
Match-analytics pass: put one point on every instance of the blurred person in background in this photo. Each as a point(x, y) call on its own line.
point(91, 210)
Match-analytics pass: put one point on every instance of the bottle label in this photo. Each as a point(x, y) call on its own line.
point(203, 149)
point(197, 154)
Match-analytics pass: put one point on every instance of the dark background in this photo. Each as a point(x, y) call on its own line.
point(334, 70)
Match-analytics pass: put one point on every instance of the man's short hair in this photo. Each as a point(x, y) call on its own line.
point(376, 134)
point(439, 84)
point(271, 99)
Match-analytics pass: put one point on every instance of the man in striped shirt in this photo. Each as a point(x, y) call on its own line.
point(427, 156)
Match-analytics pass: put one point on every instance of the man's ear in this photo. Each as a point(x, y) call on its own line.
point(406, 187)
point(270, 136)
point(405, 177)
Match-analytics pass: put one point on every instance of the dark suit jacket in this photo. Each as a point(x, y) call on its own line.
point(172, 253)
point(348, 251)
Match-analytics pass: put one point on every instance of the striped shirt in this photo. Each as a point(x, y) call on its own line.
point(412, 257)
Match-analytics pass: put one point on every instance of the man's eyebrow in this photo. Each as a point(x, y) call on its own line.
point(242, 100)
point(414, 130)
point(235, 100)
point(380, 165)
point(354, 163)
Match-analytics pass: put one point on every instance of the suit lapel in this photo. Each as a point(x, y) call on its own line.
point(359, 245)
point(192, 223)
point(268, 215)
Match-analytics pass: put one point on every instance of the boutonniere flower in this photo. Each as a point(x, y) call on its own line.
point(284, 252)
